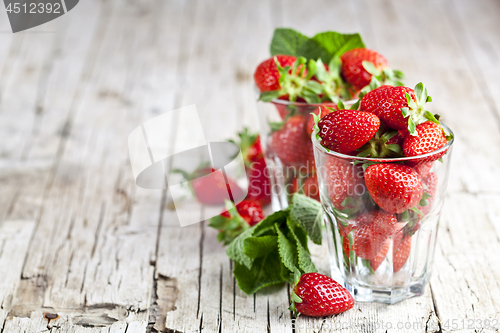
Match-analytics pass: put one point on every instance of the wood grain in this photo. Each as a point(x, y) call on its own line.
point(82, 244)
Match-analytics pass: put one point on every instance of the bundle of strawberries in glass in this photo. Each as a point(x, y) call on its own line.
point(333, 112)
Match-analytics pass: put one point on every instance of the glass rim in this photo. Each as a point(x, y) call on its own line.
point(384, 159)
point(286, 102)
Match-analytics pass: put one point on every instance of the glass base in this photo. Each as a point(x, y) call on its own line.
point(388, 296)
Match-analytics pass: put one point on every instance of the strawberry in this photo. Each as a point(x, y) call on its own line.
point(430, 137)
point(394, 187)
point(249, 210)
point(343, 180)
point(292, 144)
point(322, 111)
point(310, 187)
point(430, 186)
point(259, 184)
point(371, 231)
point(236, 219)
point(318, 295)
point(379, 258)
point(401, 250)
point(344, 131)
point(422, 168)
point(353, 70)
point(344, 231)
point(386, 103)
point(400, 108)
point(266, 75)
point(210, 187)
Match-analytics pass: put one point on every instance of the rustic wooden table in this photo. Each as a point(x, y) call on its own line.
point(82, 249)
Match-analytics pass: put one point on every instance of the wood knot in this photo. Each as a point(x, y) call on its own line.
point(50, 316)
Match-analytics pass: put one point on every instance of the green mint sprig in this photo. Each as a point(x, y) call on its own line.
point(269, 252)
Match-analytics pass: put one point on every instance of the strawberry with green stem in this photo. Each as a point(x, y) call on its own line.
point(318, 295)
point(429, 137)
point(236, 219)
point(295, 82)
point(360, 66)
point(267, 76)
point(400, 108)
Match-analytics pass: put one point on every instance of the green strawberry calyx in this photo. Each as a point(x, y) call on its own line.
point(294, 298)
point(415, 112)
point(386, 76)
point(296, 82)
point(246, 140)
point(378, 147)
point(229, 227)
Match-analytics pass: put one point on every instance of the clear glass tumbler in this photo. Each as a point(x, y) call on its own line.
point(285, 130)
point(383, 254)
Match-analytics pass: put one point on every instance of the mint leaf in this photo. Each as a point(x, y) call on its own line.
point(264, 272)
point(255, 247)
point(304, 258)
point(236, 250)
point(326, 45)
point(287, 251)
point(287, 41)
point(267, 224)
point(308, 213)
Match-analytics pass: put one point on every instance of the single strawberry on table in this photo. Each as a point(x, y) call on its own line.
point(394, 187)
point(317, 295)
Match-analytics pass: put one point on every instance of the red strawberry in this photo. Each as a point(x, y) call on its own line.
point(386, 103)
point(249, 210)
point(259, 187)
point(210, 187)
point(344, 131)
point(394, 187)
point(430, 137)
point(344, 232)
point(259, 184)
point(423, 168)
point(343, 180)
point(322, 111)
point(236, 219)
point(371, 231)
point(292, 144)
point(352, 66)
point(430, 186)
point(310, 187)
point(401, 250)
point(318, 295)
point(266, 75)
point(379, 258)
point(399, 108)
